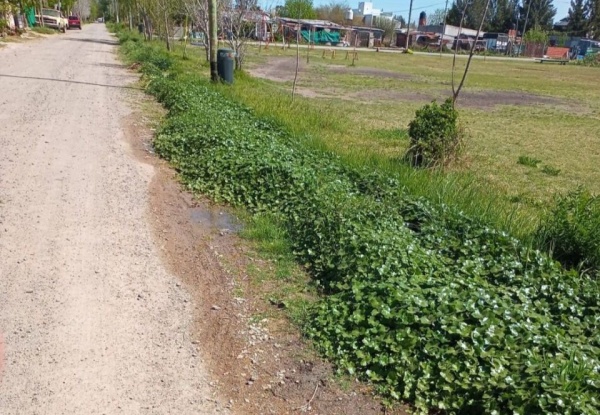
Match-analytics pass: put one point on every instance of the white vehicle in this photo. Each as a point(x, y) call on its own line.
point(53, 19)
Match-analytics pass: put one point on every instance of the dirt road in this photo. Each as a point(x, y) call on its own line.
point(92, 322)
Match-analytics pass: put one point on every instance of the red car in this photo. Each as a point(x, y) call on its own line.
point(74, 22)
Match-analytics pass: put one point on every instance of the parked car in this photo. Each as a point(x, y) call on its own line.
point(74, 22)
point(53, 19)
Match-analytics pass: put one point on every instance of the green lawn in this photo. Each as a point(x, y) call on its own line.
point(549, 112)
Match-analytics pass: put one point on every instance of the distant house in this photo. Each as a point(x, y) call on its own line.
point(315, 31)
point(367, 37)
point(451, 31)
point(561, 25)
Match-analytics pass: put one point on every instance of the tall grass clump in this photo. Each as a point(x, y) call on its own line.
point(570, 230)
point(429, 304)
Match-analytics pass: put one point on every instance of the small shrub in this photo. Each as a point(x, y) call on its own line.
point(550, 171)
point(434, 135)
point(529, 161)
point(571, 230)
point(590, 60)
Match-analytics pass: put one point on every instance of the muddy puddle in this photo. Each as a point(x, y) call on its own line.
point(216, 219)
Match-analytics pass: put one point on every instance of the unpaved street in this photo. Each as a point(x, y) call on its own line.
point(92, 321)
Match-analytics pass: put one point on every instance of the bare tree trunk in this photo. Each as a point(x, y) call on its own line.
point(462, 81)
point(167, 31)
point(408, 27)
point(212, 37)
point(185, 36)
point(457, 40)
point(297, 61)
point(41, 14)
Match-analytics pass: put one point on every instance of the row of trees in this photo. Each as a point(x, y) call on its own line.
point(584, 18)
point(504, 15)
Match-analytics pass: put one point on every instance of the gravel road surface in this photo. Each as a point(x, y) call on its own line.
point(91, 322)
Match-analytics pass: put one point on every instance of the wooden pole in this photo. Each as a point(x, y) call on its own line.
point(212, 35)
point(408, 27)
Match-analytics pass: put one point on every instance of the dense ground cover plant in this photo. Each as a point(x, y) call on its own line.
point(428, 304)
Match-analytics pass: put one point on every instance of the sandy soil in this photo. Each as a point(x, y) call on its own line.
point(92, 322)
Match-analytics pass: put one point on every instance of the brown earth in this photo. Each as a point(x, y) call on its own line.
point(119, 293)
point(281, 69)
point(262, 365)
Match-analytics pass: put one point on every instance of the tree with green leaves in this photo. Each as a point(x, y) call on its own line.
point(593, 10)
point(298, 9)
point(473, 14)
point(334, 12)
point(503, 16)
point(537, 14)
point(388, 26)
point(578, 22)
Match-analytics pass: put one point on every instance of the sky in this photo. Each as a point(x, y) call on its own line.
point(401, 6)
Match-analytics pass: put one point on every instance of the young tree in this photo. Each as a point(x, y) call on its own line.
point(437, 17)
point(198, 10)
point(388, 26)
point(334, 12)
point(578, 23)
point(298, 9)
point(238, 19)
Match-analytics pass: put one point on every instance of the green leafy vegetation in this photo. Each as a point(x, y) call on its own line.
point(431, 305)
point(592, 60)
point(550, 171)
point(571, 230)
point(529, 161)
point(434, 135)
point(44, 30)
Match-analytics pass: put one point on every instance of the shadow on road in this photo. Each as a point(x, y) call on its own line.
point(89, 40)
point(68, 81)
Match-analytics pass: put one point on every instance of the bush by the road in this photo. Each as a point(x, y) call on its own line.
point(431, 306)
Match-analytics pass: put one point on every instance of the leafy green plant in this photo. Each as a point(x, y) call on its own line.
point(550, 171)
point(536, 35)
point(571, 230)
point(429, 304)
point(434, 135)
point(529, 161)
point(591, 60)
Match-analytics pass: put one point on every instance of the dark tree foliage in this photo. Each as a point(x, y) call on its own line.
point(541, 14)
point(578, 23)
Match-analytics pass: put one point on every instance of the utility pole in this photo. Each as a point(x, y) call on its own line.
point(212, 35)
point(408, 26)
point(444, 28)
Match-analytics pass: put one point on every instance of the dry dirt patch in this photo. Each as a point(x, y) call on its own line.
point(471, 99)
point(262, 365)
point(281, 69)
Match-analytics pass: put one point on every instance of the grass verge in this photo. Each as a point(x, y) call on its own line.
point(431, 305)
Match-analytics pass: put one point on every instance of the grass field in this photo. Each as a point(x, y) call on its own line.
point(510, 109)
